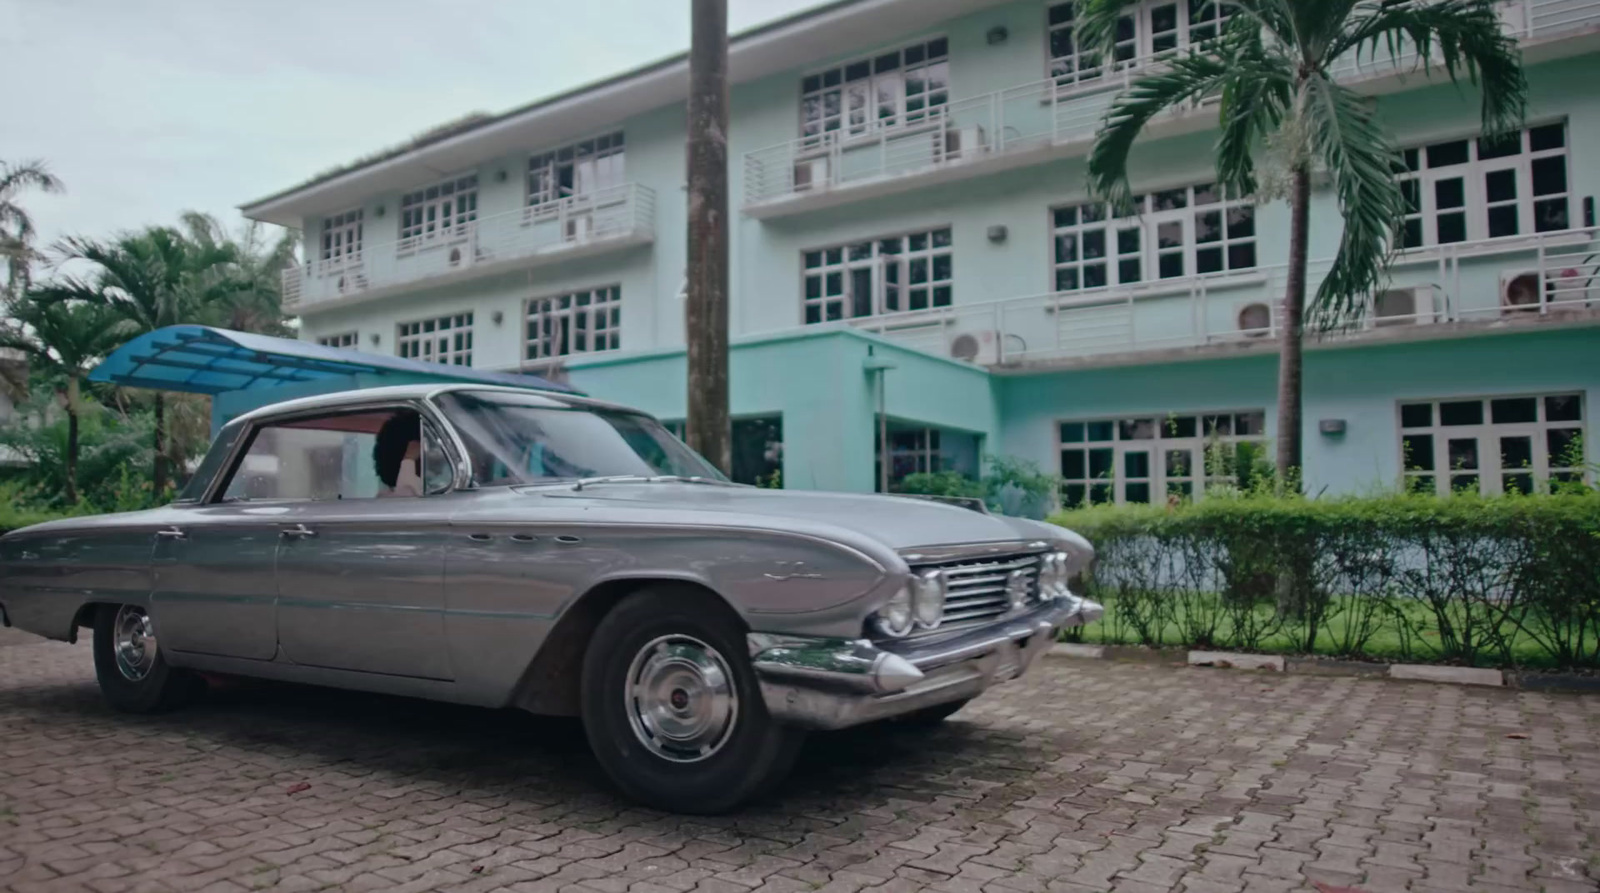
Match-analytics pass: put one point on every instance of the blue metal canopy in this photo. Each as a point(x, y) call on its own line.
point(204, 360)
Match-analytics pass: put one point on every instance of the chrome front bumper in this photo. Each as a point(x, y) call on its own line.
point(820, 683)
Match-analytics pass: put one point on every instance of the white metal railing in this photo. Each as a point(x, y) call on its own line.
point(1512, 278)
point(623, 213)
point(1039, 115)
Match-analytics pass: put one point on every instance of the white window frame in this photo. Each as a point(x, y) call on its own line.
point(1490, 473)
point(554, 325)
point(437, 339)
point(876, 92)
point(341, 239)
point(1175, 214)
point(1138, 41)
point(437, 215)
point(1423, 213)
point(1187, 477)
point(342, 339)
point(926, 453)
point(886, 267)
point(590, 165)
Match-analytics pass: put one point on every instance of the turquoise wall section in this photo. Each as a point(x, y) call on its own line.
point(818, 381)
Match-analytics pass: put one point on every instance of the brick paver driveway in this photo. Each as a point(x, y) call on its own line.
point(1088, 776)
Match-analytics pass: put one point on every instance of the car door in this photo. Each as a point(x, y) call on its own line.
point(212, 581)
point(360, 577)
point(212, 590)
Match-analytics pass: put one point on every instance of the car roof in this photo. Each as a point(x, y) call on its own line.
point(392, 393)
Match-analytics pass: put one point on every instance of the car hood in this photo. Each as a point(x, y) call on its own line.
point(897, 522)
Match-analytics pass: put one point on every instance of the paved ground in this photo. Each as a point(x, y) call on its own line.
point(1089, 776)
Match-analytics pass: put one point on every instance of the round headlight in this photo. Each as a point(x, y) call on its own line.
point(927, 599)
point(895, 618)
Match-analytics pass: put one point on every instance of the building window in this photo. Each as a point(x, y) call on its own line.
point(889, 275)
point(1150, 458)
point(343, 339)
point(1171, 234)
point(1468, 189)
point(583, 167)
point(341, 238)
point(1493, 445)
point(438, 213)
point(580, 322)
point(1150, 29)
point(444, 339)
point(900, 87)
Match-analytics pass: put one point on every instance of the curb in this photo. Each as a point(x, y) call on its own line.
point(1314, 666)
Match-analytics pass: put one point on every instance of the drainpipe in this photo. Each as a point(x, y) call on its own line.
point(879, 368)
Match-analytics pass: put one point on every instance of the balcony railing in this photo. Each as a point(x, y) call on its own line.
point(607, 218)
point(1518, 278)
point(1034, 117)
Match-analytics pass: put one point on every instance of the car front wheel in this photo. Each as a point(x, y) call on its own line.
point(672, 707)
point(132, 671)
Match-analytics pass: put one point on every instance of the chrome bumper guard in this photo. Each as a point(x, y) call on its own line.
point(822, 683)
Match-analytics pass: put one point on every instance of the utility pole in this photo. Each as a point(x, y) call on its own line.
point(706, 315)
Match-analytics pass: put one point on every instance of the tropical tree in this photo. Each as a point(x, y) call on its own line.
point(1272, 67)
point(16, 227)
point(63, 339)
point(250, 298)
point(153, 279)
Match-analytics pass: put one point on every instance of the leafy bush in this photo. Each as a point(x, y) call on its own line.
point(113, 462)
point(1505, 581)
point(1012, 487)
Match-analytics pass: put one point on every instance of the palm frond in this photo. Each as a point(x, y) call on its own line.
point(27, 175)
point(1184, 79)
point(1346, 137)
point(1466, 36)
point(1256, 98)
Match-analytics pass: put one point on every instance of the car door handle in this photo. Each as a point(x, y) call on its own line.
point(480, 537)
point(299, 531)
point(171, 533)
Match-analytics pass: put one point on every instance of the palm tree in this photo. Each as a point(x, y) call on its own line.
point(153, 279)
point(63, 338)
point(16, 227)
point(1272, 69)
point(252, 300)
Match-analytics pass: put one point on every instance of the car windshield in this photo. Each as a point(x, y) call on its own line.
point(517, 439)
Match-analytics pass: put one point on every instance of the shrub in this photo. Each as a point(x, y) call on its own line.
point(1508, 580)
point(1012, 487)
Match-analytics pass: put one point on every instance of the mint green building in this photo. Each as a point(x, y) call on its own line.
point(910, 231)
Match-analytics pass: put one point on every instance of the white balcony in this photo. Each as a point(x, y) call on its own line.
point(1449, 291)
point(1031, 123)
point(579, 226)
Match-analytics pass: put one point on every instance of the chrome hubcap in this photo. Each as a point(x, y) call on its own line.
point(134, 641)
point(680, 698)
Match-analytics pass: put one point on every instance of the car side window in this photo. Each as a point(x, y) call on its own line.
point(353, 455)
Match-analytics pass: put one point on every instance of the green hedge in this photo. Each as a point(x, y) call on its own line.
point(1511, 581)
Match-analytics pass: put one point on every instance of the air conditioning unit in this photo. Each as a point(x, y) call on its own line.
point(1519, 291)
point(810, 173)
point(966, 142)
point(1254, 320)
point(981, 348)
point(1403, 306)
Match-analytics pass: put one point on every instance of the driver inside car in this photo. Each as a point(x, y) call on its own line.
point(397, 455)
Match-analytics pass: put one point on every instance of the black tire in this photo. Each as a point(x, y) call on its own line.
point(754, 753)
point(162, 687)
point(929, 717)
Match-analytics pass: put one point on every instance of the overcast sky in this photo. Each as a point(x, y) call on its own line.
point(146, 108)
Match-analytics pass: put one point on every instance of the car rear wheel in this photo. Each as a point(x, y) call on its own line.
point(672, 707)
point(133, 673)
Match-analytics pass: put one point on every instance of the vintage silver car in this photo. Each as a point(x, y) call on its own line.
point(511, 548)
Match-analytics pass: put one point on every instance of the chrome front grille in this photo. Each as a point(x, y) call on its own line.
point(977, 592)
